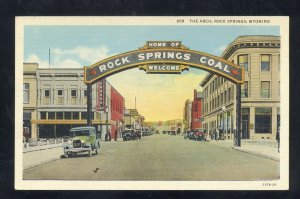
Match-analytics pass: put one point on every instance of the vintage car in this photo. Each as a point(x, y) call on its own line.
point(128, 134)
point(82, 140)
point(199, 135)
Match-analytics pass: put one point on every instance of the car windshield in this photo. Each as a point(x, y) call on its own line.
point(79, 133)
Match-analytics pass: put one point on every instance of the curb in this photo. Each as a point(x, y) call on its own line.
point(41, 163)
point(256, 153)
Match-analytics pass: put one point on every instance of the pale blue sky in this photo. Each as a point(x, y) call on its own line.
point(119, 39)
point(78, 46)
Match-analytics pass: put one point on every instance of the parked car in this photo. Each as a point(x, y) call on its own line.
point(138, 134)
point(191, 135)
point(199, 135)
point(145, 133)
point(128, 134)
point(82, 140)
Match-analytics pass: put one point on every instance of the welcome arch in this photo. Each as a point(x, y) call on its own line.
point(166, 57)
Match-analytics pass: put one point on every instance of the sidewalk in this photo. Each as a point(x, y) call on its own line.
point(262, 148)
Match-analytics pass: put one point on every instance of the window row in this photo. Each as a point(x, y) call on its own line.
point(265, 62)
point(63, 115)
point(265, 89)
point(60, 93)
point(222, 99)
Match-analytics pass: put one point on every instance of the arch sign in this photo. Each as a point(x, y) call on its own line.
point(163, 57)
point(166, 57)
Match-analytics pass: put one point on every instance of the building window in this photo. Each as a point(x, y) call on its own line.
point(229, 94)
point(85, 93)
point(47, 93)
point(59, 97)
point(265, 90)
point(279, 89)
point(83, 115)
point(67, 115)
point(59, 93)
point(73, 93)
point(43, 115)
point(51, 115)
point(263, 120)
point(59, 115)
point(225, 97)
point(265, 63)
point(75, 115)
point(244, 90)
point(222, 99)
point(243, 61)
point(25, 93)
point(278, 62)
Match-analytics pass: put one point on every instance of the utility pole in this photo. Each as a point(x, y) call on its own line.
point(89, 105)
point(238, 116)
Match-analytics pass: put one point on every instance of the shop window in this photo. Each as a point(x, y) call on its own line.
point(263, 120)
point(25, 93)
point(265, 63)
point(265, 90)
point(243, 61)
point(244, 90)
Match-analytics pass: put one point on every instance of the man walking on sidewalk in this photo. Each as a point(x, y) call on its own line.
point(217, 134)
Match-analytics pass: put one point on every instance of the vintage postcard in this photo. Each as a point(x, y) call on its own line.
point(152, 103)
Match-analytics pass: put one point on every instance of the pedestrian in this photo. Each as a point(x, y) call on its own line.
point(278, 138)
point(216, 134)
point(116, 135)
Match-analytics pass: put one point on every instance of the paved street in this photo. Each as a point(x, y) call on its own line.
point(159, 157)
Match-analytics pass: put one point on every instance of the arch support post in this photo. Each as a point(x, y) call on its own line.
point(238, 116)
point(89, 105)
